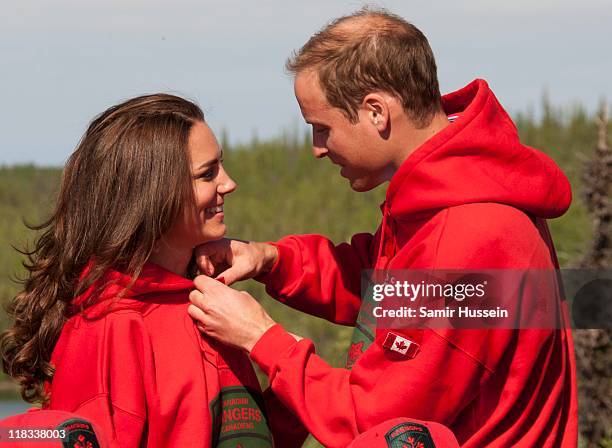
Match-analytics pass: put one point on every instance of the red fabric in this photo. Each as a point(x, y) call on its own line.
point(139, 367)
point(471, 197)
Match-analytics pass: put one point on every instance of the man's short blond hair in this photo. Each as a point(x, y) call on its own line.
point(372, 50)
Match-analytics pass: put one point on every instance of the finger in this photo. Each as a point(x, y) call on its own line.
point(206, 284)
point(224, 278)
point(205, 265)
point(197, 315)
point(210, 254)
point(231, 276)
point(196, 297)
point(203, 262)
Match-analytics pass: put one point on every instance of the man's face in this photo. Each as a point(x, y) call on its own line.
point(356, 147)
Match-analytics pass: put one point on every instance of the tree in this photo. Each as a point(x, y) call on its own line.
point(593, 348)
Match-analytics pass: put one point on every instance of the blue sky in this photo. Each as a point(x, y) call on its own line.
point(64, 61)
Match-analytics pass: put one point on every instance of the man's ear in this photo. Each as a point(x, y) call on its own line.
point(376, 107)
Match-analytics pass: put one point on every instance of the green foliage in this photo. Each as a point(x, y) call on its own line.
point(283, 189)
point(569, 137)
point(26, 194)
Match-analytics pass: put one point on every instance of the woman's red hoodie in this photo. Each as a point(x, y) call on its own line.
point(140, 369)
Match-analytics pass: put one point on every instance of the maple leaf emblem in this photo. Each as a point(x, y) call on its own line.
point(401, 345)
point(412, 443)
point(82, 442)
point(355, 351)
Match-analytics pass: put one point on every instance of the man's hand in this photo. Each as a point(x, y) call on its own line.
point(232, 317)
point(233, 260)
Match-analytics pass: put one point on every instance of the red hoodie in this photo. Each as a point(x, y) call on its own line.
point(138, 366)
point(471, 197)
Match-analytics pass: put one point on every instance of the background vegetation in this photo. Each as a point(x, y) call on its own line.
point(283, 190)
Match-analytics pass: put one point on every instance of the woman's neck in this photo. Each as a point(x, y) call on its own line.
point(171, 258)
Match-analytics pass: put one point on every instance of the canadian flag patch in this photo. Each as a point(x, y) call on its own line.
point(401, 345)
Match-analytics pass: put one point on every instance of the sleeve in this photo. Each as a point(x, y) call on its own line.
point(316, 277)
point(336, 404)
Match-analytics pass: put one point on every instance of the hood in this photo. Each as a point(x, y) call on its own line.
point(477, 158)
point(116, 290)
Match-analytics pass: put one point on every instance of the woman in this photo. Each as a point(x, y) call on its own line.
point(101, 327)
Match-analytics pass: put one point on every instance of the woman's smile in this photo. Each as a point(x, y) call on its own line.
point(216, 211)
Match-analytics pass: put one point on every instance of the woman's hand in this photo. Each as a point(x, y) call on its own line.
point(229, 316)
point(233, 260)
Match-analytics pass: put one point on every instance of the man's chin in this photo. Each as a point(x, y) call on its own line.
point(362, 185)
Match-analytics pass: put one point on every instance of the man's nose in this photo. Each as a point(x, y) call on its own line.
point(319, 152)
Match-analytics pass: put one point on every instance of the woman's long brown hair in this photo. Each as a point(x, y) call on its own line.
point(122, 188)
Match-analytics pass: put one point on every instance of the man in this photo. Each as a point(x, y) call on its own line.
point(463, 194)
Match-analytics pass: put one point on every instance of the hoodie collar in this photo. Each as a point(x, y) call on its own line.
point(116, 285)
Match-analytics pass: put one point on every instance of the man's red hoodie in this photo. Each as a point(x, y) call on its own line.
point(471, 197)
point(139, 368)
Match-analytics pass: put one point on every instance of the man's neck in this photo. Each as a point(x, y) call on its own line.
point(413, 138)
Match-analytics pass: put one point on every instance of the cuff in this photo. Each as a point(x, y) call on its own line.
point(281, 270)
point(273, 344)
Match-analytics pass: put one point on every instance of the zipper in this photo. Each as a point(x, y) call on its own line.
point(385, 251)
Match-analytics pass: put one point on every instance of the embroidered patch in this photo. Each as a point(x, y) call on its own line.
point(239, 419)
point(365, 328)
point(409, 435)
point(79, 434)
point(400, 345)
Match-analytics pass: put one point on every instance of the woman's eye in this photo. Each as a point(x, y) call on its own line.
point(209, 174)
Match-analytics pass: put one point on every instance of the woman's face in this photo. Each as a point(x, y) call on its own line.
point(203, 221)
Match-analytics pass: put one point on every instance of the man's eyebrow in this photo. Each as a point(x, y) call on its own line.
point(211, 162)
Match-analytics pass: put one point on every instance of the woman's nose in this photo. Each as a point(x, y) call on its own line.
point(226, 184)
